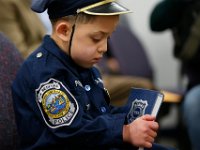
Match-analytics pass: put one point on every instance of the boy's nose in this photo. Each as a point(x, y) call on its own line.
point(103, 47)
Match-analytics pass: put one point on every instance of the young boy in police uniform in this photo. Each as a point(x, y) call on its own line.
point(59, 98)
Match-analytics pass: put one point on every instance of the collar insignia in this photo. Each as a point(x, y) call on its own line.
point(98, 80)
point(78, 83)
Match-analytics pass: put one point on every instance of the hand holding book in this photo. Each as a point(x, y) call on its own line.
point(143, 101)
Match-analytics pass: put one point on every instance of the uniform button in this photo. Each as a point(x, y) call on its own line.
point(103, 109)
point(87, 87)
point(39, 55)
point(87, 106)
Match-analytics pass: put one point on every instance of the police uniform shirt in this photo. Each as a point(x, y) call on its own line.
point(61, 105)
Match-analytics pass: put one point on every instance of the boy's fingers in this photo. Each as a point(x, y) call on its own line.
point(154, 126)
point(148, 117)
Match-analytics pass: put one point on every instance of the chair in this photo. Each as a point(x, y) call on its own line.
point(10, 60)
point(125, 46)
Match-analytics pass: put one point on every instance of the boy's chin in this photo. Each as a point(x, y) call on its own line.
point(87, 66)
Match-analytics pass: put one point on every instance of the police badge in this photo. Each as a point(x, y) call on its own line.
point(143, 101)
point(57, 105)
point(137, 109)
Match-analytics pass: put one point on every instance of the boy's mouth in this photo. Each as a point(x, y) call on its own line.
point(96, 60)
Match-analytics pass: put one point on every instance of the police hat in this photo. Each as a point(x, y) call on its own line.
point(61, 8)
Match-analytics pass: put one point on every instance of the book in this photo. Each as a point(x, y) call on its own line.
point(144, 101)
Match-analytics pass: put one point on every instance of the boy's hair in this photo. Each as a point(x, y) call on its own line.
point(79, 18)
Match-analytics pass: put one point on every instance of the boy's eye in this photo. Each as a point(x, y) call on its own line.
point(96, 39)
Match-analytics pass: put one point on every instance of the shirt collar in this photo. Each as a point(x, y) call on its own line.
point(52, 47)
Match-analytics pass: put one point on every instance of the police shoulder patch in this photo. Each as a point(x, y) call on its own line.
point(57, 105)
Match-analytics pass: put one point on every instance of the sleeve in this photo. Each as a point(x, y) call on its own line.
point(123, 109)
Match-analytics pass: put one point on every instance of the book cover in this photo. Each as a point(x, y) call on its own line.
point(144, 101)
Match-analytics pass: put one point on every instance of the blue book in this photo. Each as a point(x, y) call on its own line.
point(144, 101)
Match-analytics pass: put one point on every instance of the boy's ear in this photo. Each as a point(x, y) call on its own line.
point(63, 31)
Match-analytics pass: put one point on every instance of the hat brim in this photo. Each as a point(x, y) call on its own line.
point(103, 8)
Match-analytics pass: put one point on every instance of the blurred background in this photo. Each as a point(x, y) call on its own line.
point(159, 46)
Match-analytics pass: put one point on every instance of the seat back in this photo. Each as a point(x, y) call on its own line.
point(10, 60)
point(130, 53)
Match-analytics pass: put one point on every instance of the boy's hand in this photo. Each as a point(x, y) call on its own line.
point(141, 132)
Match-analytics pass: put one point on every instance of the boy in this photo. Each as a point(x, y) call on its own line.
point(59, 98)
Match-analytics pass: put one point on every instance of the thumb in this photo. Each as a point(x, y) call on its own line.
point(148, 117)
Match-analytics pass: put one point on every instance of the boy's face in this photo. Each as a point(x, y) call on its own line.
point(90, 40)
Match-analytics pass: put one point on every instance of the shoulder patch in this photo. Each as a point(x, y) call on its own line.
point(57, 105)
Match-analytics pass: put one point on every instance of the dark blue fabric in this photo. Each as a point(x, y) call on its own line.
point(60, 8)
point(159, 147)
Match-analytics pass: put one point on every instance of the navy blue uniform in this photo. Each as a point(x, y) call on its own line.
point(56, 101)
point(59, 105)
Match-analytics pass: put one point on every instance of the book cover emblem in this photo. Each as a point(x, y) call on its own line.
point(138, 108)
